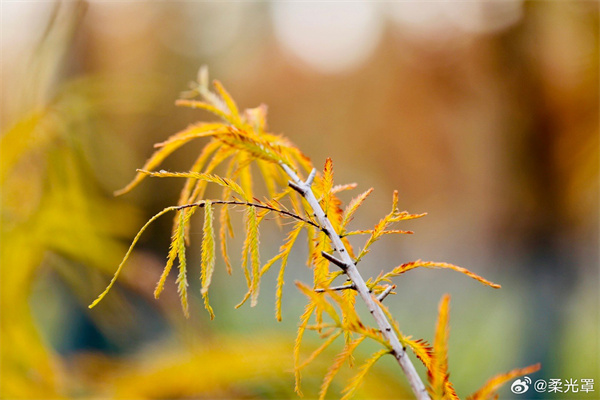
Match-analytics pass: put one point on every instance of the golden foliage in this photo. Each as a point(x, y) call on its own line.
point(208, 255)
point(238, 142)
point(133, 243)
point(337, 364)
point(356, 381)
point(429, 264)
point(182, 282)
point(380, 228)
point(488, 391)
point(440, 387)
point(284, 252)
point(352, 207)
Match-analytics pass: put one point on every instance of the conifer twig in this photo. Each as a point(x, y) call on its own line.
point(349, 267)
point(342, 287)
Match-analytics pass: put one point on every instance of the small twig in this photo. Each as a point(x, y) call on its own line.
point(335, 260)
point(385, 293)
point(342, 287)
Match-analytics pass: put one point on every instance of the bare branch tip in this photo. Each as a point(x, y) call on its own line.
point(311, 177)
point(386, 292)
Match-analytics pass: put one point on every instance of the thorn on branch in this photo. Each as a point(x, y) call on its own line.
point(297, 188)
point(385, 293)
point(342, 287)
point(335, 260)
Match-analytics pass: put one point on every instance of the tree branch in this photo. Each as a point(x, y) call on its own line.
point(398, 350)
point(245, 203)
point(334, 260)
point(385, 293)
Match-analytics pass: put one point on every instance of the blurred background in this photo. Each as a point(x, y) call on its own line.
point(482, 114)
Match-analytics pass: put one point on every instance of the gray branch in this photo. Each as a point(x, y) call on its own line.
point(342, 287)
point(351, 271)
point(385, 293)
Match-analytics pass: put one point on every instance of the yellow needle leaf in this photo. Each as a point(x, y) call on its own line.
point(308, 312)
point(133, 243)
point(319, 350)
point(203, 177)
point(353, 206)
point(208, 255)
point(355, 382)
point(320, 302)
point(488, 391)
point(254, 254)
point(182, 282)
point(440, 386)
point(234, 113)
point(206, 106)
point(429, 264)
point(164, 151)
point(337, 364)
point(285, 250)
